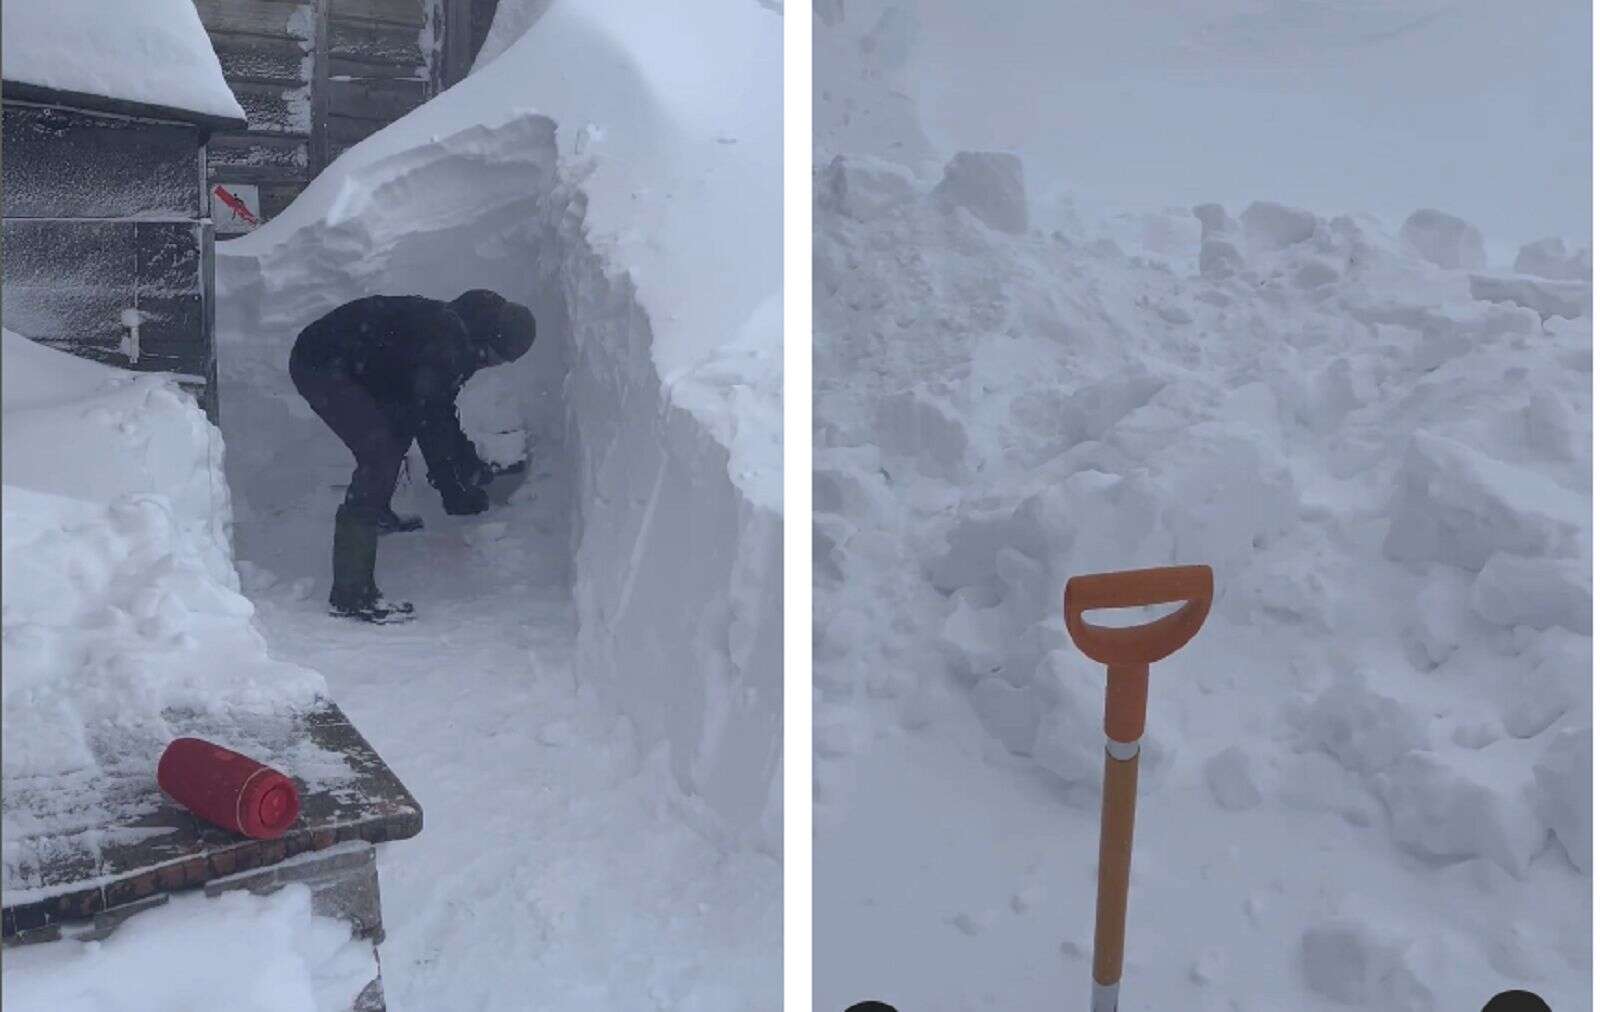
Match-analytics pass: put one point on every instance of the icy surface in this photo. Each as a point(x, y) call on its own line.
point(155, 52)
point(1365, 783)
point(261, 954)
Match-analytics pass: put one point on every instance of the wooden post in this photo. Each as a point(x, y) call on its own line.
point(319, 146)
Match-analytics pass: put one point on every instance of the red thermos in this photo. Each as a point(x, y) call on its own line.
point(228, 789)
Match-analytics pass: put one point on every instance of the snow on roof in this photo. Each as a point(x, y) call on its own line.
point(150, 52)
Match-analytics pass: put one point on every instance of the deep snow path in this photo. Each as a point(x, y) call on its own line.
point(552, 871)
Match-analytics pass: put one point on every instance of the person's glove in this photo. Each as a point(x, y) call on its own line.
point(474, 473)
point(463, 500)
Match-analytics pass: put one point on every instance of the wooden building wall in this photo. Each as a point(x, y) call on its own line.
point(102, 214)
point(318, 76)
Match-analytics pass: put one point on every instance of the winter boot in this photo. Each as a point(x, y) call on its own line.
point(390, 522)
point(355, 558)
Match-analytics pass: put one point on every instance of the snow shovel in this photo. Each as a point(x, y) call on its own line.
point(1127, 652)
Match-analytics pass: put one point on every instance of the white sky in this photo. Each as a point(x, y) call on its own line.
point(1478, 107)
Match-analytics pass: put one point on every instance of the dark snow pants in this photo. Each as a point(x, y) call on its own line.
point(378, 436)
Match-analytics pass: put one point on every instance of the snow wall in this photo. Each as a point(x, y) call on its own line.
point(633, 227)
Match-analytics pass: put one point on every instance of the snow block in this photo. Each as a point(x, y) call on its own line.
point(1220, 259)
point(1473, 804)
point(1567, 299)
point(1559, 680)
point(1563, 792)
point(1214, 221)
point(1350, 962)
point(990, 185)
point(1516, 590)
point(1364, 730)
point(1011, 714)
point(1270, 226)
point(1444, 240)
point(1549, 258)
point(915, 425)
point(1457, 505)
point(864, 188)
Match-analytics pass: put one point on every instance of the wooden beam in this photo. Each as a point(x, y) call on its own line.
point(269, 18)
point(412, 14)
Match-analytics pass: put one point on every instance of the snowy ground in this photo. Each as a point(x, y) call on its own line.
point(1366, 783)
point(552, 871)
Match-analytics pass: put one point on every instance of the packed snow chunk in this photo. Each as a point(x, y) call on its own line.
point(1354, 963)
point(1270, 226)
point(990, 185)
point(1567, 299)
point(1564, 794)
point(154, 52)
point(1441, 615)
point(237, 951)
point(1516, 590)
point(1094, 407)
point(1558, 678)
point(1232, 780)
point(915, 425)
point(1226, 495)
point(863, 187)
point(116, 516)
point(1214, 221)
point(1011, 714)
point(1220, 259)
point(1457, 505)
point(1444, 240)
point(1362, 728)
point(1473, 803)
point(1549, 258)
point(1553, 428)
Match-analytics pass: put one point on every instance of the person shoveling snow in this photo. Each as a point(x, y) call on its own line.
point(385, 371)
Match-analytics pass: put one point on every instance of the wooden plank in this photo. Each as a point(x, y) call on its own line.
point(277, 196)
point(320, 156)
point(270, 18)
point(346, 131)
point(412, 14)
point(381, 100)
point(65, 164)
point(139, 843)
point(286, 154)
point(67, 284)
point(272, 108)
point(258, 60)
point(457, 40)
point(352, 70)
point(366, 43)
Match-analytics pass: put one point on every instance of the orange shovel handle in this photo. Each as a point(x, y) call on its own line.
point(1144, 644)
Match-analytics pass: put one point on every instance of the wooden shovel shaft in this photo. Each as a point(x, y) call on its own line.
point(1127, 653)
point(1116, 860)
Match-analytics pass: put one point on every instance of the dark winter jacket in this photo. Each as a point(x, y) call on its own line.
point(410, 354)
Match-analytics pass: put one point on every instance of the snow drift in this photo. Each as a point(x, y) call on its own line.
point(123, 591)
point(616, 169)
point(1366, 781)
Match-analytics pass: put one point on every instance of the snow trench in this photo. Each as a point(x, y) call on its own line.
point(674, 569)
